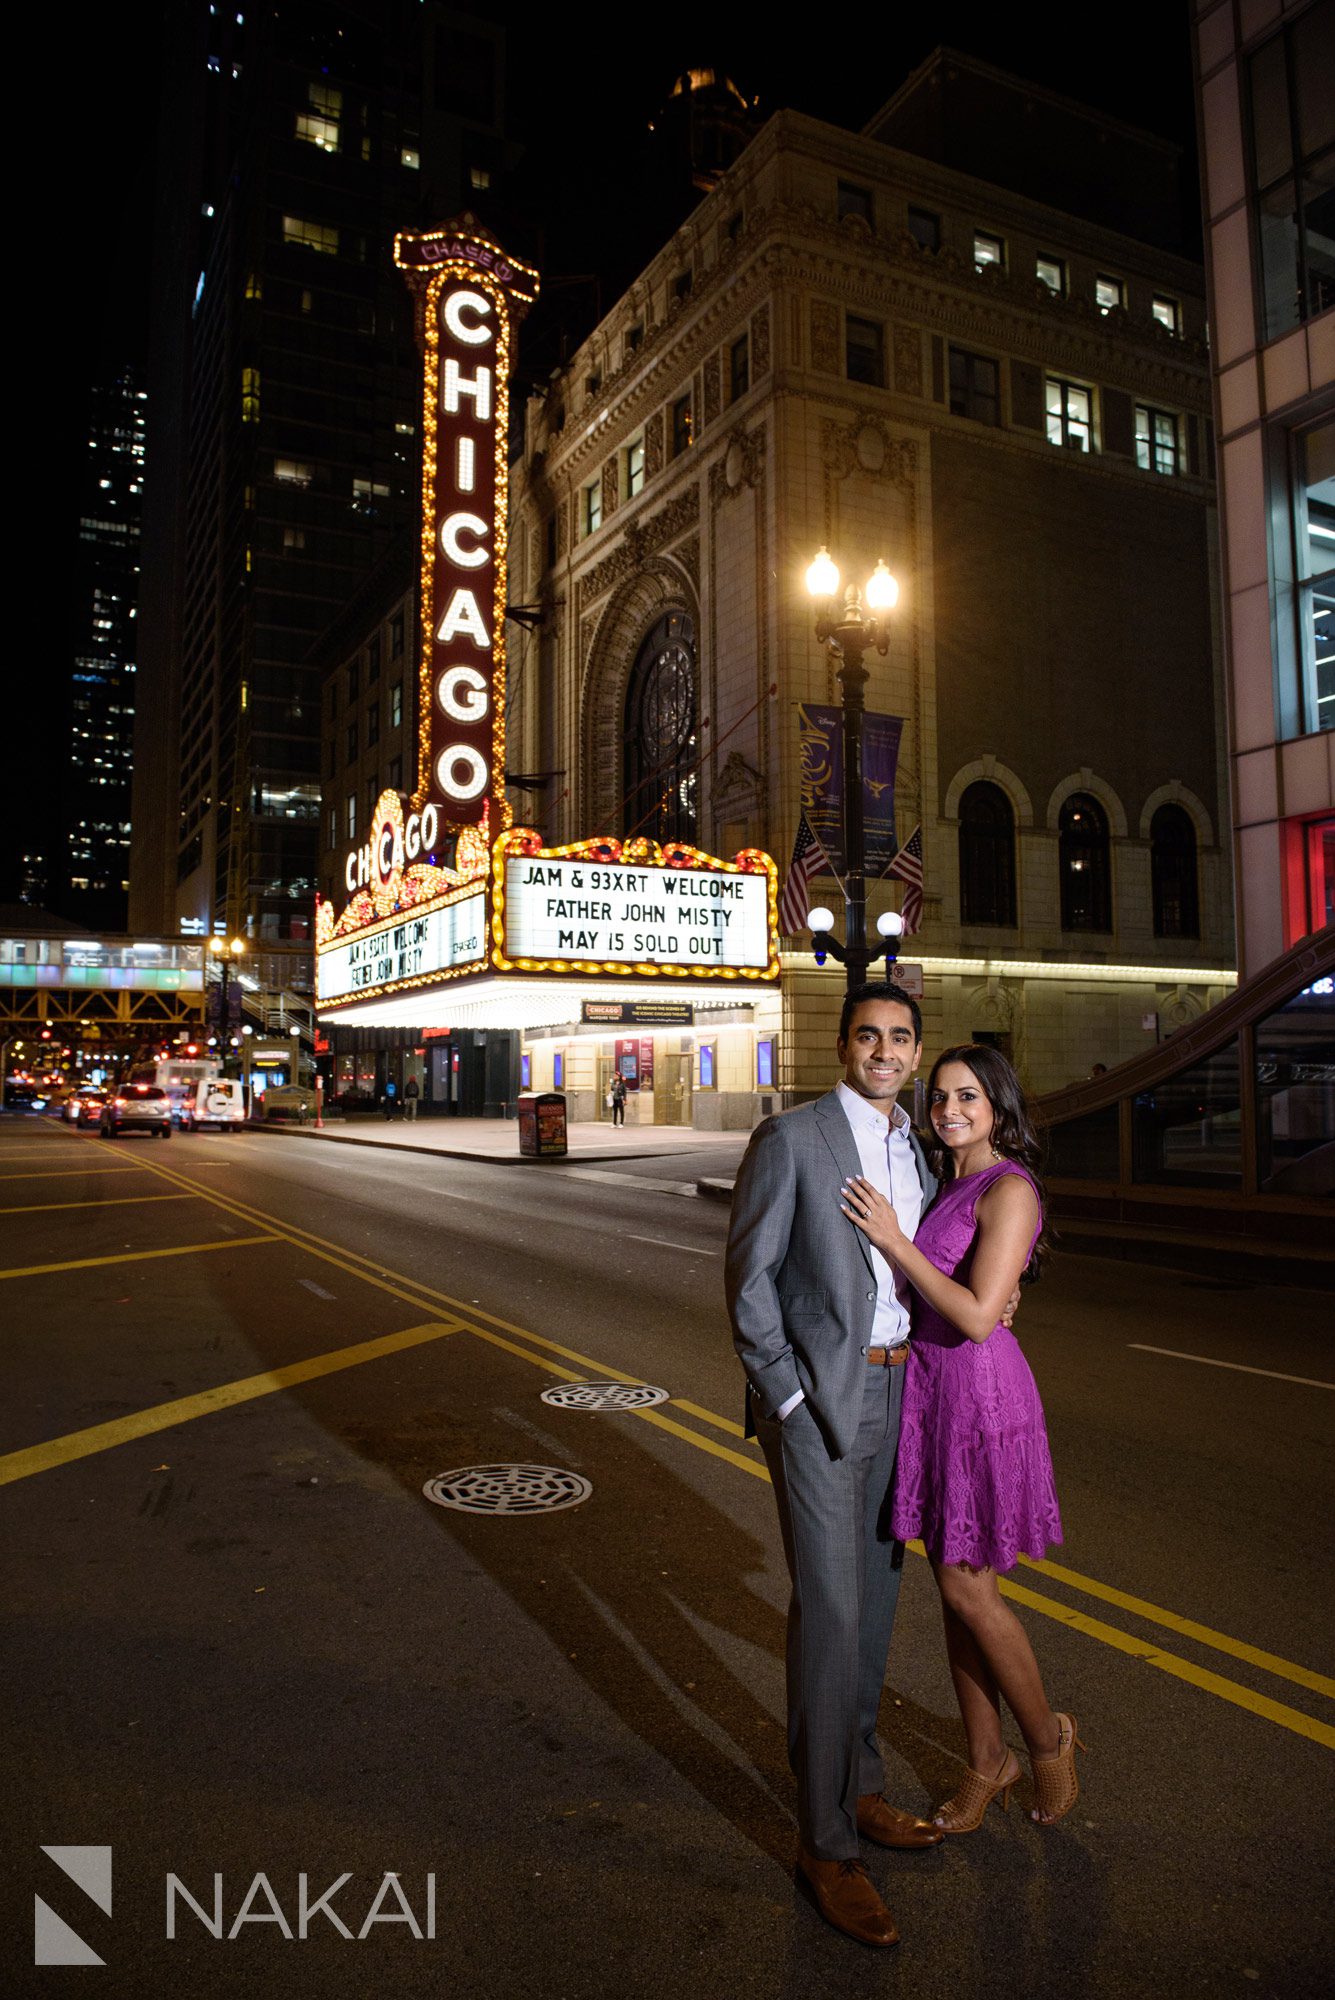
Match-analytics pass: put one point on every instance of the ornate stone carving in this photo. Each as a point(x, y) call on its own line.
point(742, 464)
point(609, 488)
point(639, 539)
point(825, 337)
point(713, 396)
point(760, 343)
point(868, 445)
point(563, 528)
point(653, 444)
point(687, 553)
point(908, 361)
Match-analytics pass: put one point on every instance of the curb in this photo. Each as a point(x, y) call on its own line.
point(515, 1159)
point(715, 1190)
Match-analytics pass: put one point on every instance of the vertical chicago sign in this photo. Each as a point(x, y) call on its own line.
point(470, 299)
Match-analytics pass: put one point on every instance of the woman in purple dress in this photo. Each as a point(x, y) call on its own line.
point(974, 1475)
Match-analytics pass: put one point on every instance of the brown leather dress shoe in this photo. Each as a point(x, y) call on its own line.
point(846, 1898)
point(880, 1821)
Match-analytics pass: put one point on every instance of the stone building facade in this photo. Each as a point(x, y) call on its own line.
point(852, 345)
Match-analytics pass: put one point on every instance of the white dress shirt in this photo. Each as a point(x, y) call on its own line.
point(886, 1160)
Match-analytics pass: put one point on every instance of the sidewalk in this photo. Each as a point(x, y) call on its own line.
point(497, 1140)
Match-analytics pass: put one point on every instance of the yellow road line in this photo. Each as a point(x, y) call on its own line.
point(165, 1416)
point(135, 1256)
point(1168, 1663)
point(709, 1417)
point(1155, 1614)
point(376, 1274)
point(69, 1173)
point(108, 1201)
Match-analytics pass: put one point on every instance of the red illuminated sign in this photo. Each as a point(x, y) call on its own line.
point(471, 297)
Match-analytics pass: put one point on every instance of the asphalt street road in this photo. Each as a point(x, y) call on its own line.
point(242, 1643)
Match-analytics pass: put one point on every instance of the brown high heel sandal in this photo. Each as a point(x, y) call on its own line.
point(963, 1811)
point(1056, 1786)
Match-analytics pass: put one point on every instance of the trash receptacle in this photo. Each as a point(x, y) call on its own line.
point(542, 1124)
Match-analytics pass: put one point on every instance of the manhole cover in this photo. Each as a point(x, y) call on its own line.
point(604, 1396)
point(508, 1489)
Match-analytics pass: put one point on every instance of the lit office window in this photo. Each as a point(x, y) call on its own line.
point(1314, 547)
point(396, 705)
point(319, 236)
point(634, 468)
point(293, 472)
point(1167, 311)
point(317, 131)
point(250, 395)
point(987, 250)
point(350, 815)
point(1051, 271)
point(1109, 294)
point(479, 178)
point(410, 157)
point(1158, 447)
point(593, 507)
point(1068, 415)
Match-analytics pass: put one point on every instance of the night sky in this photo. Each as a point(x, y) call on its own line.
point(580, 101)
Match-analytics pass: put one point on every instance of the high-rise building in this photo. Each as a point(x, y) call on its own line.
point(91, 873)
point(1267, 119)
point(283, 398)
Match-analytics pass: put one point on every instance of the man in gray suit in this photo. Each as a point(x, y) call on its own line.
point(821, 1325)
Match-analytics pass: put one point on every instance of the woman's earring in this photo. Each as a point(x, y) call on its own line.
point(995, 1154)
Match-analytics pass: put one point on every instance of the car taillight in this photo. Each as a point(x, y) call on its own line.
point(118, 1104)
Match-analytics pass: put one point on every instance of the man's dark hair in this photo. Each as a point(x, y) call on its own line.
point(878, 989)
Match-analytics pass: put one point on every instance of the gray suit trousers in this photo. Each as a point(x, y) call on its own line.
point(845, 1570)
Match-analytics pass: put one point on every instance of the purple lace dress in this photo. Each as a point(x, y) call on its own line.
point(973, 1476)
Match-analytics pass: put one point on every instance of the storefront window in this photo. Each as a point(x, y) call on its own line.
point(1295, 1095)
point(765, 1063)
point(706, 1066)
point(1187, 1130)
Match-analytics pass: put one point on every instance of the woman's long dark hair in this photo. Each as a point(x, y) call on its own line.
point(1013, 1133)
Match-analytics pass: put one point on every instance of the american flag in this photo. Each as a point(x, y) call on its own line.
point(907, 864)
point(808, 860)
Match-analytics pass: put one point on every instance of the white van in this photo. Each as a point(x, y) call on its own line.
point(217, 1101)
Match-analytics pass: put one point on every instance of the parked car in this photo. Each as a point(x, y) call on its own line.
point(140, 1107)
point(84, 1106)
point(216, 1101)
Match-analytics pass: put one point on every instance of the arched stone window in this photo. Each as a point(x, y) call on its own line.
point(1086, 867)
point(987, 856)
point(661, 783)
point(1173, 882)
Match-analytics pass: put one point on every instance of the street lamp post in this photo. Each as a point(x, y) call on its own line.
point(225, 951)
point(850, 631)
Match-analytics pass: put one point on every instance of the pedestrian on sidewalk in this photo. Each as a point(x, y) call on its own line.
point(618, 1096)
point(412, 1090)
point(390, 1104)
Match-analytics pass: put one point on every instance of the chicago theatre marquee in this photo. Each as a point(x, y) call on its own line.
point(602, 956)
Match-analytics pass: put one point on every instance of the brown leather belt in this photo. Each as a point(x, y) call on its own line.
point(888, 1357)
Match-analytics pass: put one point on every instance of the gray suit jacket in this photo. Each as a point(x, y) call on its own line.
point(801, 1289)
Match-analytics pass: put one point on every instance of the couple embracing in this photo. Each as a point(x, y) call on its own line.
point(871, 1288)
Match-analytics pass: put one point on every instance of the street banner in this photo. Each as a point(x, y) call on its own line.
point(821, 750)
